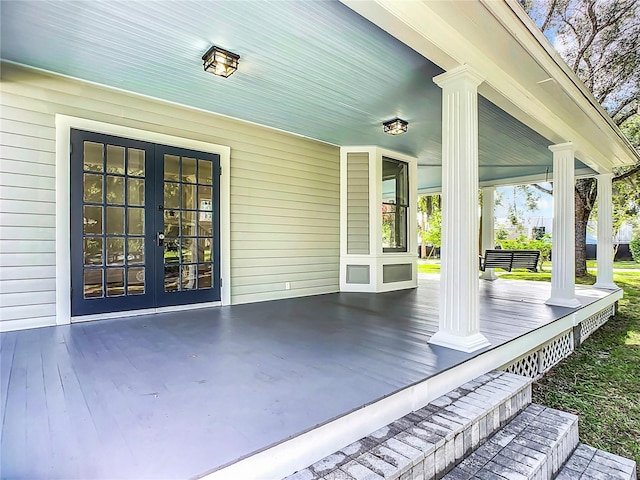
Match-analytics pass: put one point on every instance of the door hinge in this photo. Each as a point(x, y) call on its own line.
point(220, 174)
point(220, 282)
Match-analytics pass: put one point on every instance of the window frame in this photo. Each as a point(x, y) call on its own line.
point(401, 228)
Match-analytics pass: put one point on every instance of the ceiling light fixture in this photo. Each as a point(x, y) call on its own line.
point(395, 126)
point(220, 62)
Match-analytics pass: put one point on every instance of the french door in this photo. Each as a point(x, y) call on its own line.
point(144, 225)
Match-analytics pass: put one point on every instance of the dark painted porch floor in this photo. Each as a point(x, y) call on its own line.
point(178, 395)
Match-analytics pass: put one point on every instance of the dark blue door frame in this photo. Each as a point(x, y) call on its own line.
point(168, 298)
point(104, 282)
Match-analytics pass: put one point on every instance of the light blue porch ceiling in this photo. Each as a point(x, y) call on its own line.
point(314, 68)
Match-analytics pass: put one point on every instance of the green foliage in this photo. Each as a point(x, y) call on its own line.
point(431, 229)
point(388, 224)
point(634, 246)
point(432, 234)
point(523, 243)
point(501, 234)
point(429, 267)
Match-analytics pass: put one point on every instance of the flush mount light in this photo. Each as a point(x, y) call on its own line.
point(395, 126)
point(220, 62)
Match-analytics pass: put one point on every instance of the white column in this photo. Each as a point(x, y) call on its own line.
point(488, 235)
point(605, 233)
point(563, 253)
point(459, 326)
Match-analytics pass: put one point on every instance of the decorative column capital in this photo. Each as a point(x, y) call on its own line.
point(559, 147)
point(463, 73)
point(604, 177)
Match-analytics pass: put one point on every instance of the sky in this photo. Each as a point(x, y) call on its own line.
point(544, 206)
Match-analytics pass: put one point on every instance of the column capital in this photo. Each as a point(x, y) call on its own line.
point(461, 73)
point(559, 147)
point(604, 177)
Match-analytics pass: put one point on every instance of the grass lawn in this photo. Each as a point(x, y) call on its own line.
point(630, 264)
point(428, 266)
point(433, 266)
point(600, 381)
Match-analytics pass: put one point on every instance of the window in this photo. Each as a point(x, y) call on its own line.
point(395, 205)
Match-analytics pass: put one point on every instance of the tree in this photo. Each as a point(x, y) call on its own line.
point(600, 41)
point(523, 199)
point(431, 230)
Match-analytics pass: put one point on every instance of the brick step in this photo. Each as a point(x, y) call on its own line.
point(534, 445)
point(590, 463)
point(430, 441)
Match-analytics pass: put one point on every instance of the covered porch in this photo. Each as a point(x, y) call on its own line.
point(252, 391)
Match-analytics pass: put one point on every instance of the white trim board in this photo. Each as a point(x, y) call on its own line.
point(64, 124)
point(143, 311)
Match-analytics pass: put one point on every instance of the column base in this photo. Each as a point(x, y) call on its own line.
point(564, 302)
point(606, 286)
point(489, 274)
point(467, 344)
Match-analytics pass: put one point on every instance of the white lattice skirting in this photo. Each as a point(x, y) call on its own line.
point(594, 322)
point(537, 362)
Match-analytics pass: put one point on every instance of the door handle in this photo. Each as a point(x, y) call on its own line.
point(160, 239)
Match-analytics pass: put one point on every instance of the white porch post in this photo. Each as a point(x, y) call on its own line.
point(605, 233)
point(459, 326)
point(488, 220)
point(563, 254)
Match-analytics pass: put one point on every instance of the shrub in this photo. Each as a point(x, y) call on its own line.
point(523, 243)
point(634, 246)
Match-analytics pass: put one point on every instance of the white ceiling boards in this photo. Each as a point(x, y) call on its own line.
point(313, 68)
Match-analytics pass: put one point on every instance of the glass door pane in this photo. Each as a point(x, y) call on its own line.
point(109, 223)
point(114, 230)
point(188, 197)
point(187, 222)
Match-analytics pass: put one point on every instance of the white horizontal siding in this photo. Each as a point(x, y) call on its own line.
point(26, 180)
point(27, 142)
point(284, 193)
point(36, 234)
point(20, 206)
point(28, 286)
point(26, 311)
point(22, 167)
point(27, 299)
point(25, 155)
point(240, 265)
point(25, 193)
point(27, 129)
point(358, 203)
point(251, 207)
point(27, 220)
point(32, 273)
point(31, 259)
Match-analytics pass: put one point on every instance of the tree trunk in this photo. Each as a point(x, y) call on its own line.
point(582, 217)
